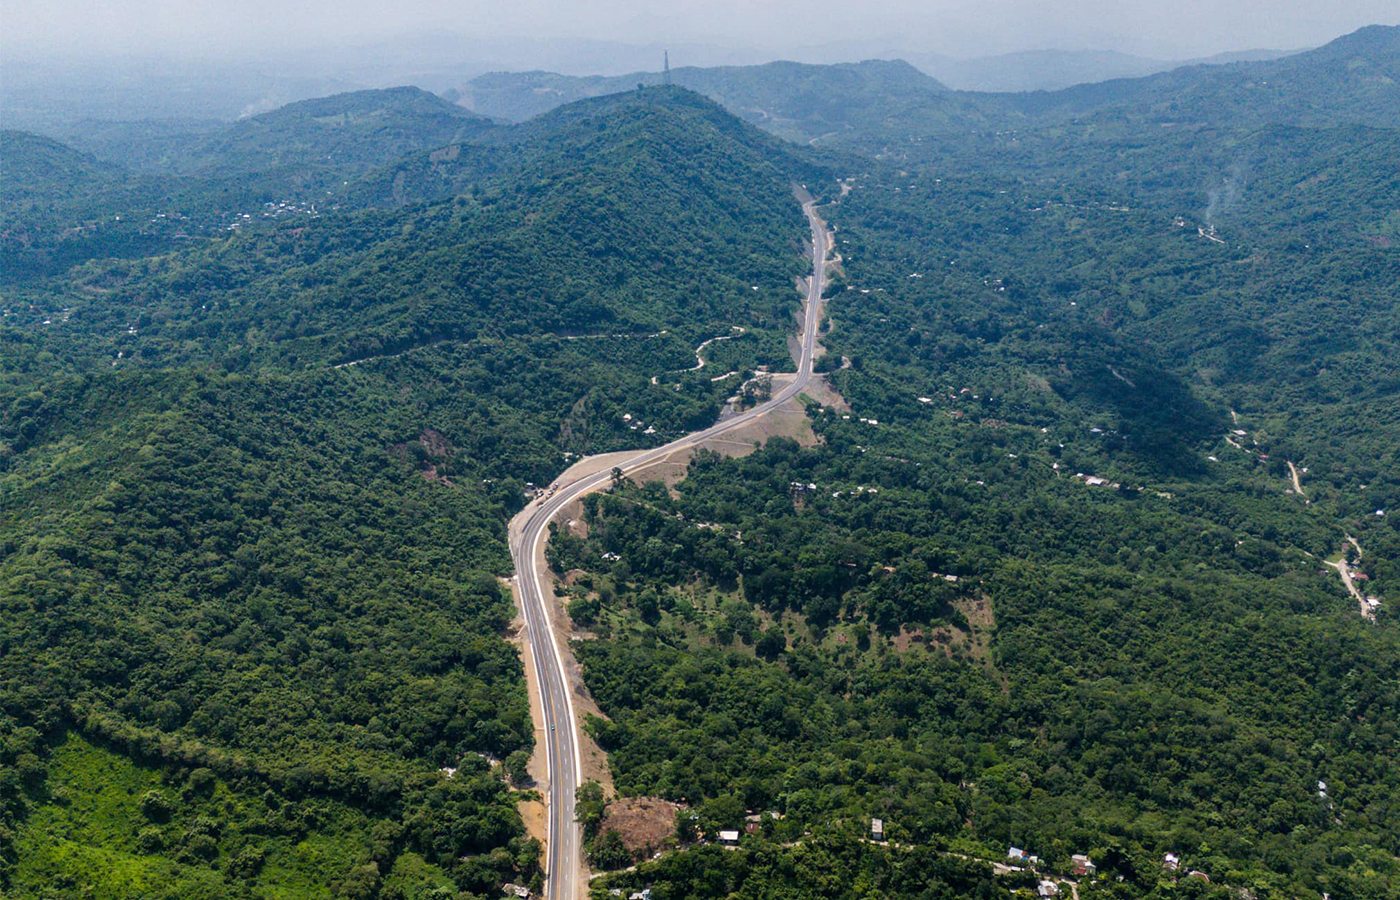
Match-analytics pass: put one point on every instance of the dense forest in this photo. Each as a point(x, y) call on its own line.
point(1048, 583)
point(1118, 371)
point(255, 495)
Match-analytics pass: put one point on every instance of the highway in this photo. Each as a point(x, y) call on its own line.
point(530, 531)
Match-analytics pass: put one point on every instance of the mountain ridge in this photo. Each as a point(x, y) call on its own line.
point(1353, 79)
point(792, 99)
point(354, 128)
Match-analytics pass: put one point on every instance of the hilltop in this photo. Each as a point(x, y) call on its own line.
point(39, 169)
point(669, 130)
point(356, 130)
point(576, 211)
point(794, 100)
point(1049, 70)
point(172, 184)
point(59, 206)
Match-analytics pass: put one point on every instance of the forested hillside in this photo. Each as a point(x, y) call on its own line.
point(264, 588)
point(1354, 79)
point(159, 187)
point(1050, 583)
point(60, 207)
point(1097, 551)
point(1039, 587)
point(344, 132)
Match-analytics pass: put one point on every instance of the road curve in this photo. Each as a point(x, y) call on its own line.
point(530, 530)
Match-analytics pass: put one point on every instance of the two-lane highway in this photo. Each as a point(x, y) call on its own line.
point(529, 532)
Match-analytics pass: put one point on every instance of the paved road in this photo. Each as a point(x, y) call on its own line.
point(533, 586)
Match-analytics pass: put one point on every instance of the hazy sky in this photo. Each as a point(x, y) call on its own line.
point(219, 28)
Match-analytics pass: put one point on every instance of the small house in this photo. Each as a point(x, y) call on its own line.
point(729, 836)
point(1016, 853)
point(1170, 862)
point(519, 891)
point(1082, 865)
point(877, 829)
point(1048, 888)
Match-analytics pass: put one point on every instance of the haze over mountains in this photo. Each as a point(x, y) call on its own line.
point(44, 94)
point(1352, 79)
point(1048, 70)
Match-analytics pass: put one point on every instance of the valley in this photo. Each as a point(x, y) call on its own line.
point(487, 513)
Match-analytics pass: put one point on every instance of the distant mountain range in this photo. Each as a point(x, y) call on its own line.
point(1048, 70)
point(1354, 79)
point(51, 96)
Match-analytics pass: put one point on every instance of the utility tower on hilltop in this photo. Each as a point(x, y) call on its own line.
point(666, 70)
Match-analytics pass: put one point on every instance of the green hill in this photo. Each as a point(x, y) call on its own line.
point(345, 132)
point(577, 214)
point(793, 100)
point(668, 129)
point(262, 591)
point(63, 206)
point(59, 206)
point(41, 170)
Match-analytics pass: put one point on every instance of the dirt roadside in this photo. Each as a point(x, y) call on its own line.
point(1297, 482)
point(1344, 570)
point(786, 419)
point(789, 420)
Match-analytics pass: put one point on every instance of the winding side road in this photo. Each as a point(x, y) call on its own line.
point(1344, 570)
point(529, 532)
